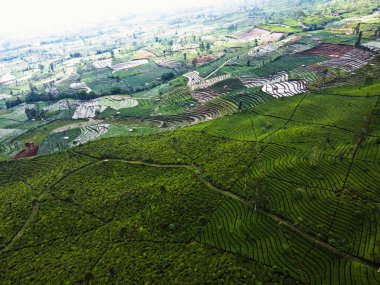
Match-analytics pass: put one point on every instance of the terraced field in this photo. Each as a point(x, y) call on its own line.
point(289, 184)
point(217, 147)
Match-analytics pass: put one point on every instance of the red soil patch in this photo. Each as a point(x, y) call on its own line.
point(328, 50)
point(30, 151)
point(206, 59)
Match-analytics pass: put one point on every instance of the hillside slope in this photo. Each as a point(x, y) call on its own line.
point(284, 193)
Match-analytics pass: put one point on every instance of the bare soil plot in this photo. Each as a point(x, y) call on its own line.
point(252, 34)
point(128, 65)
point(102, 63)
point(143, 54)
point(205, 59)
point(285, 89)
point(168, 63)
point(354, 59)
point(328, 50)
point(260, 81)
point(197, 82)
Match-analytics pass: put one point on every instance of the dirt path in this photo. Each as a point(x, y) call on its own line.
point(21, 232)
point(35, 207)
point(273, 216)
point(216, 70)
point(193, 168)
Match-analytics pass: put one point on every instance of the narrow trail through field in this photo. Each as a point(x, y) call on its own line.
point(197, 172)
point(21, 232)
point(216, 70)
point(269, 214)
point(35, 206)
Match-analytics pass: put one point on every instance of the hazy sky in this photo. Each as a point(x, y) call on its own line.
point(16, 15)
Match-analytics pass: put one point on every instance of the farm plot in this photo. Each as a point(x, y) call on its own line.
point(194, 78)
point(90, 133)
point(176, 101)
point(373, 46)
point(207, 94)
point(8, 132)
point(118, 102)
point(135, 79)
point(167, 63)
point(80, 86)
point(304, 73)
point(209, 82)
point(235, 227)
point(5, 96)
point(354, 59)
point(272, 46)
point(249, 98)
point(285, 89)
point(260, 81)
point(207, 111)
point(89, 109)
point(255, 33)
point(128, 65)
point(209, 68)
point(196, 82)
point(244, 126)
point(287, 63)
point(56, 142)
point(102, 63)
point(62, 105)
point(337, 111)
point(328, 50)
point(7, 79)
point(17, 113)
point(143, 54)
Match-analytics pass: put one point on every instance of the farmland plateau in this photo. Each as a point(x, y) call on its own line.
point(235, 144)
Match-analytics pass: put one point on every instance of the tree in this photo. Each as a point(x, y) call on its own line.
point(123, 233)
point(167, 76)
point(116, 90)
point(185, 56)
point(194, 62)
point(359, 39)
point(88, 277)
point(208, 46)
point(357, 29)
point(202, 46)
point(35, 113)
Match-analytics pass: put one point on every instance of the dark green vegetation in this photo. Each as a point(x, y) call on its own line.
point(257, 190)
point(285, 192)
